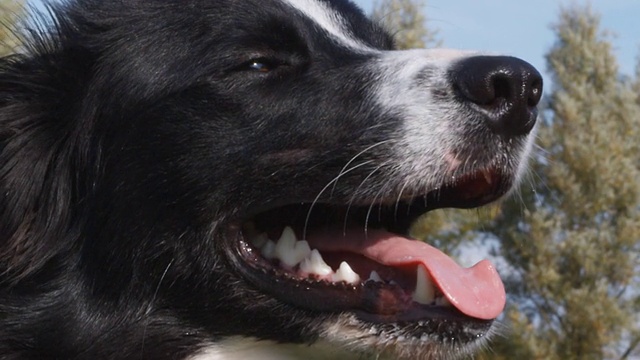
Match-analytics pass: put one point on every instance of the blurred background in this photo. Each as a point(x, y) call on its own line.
point(567, 242)
point(522, 28)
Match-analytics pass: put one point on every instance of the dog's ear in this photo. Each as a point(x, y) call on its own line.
point(38, 153)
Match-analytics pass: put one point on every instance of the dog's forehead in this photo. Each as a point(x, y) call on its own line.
point(331, 21)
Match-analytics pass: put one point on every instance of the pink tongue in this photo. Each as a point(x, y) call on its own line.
point(476, 291)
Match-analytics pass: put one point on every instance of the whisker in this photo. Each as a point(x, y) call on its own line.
point(358, 155)
point(335, 179)
point(399, 198)
point(355, 193)
point(373, 202)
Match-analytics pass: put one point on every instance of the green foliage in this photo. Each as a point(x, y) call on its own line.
point(575, 254)
point(572, 239)
point(450, 229)
point(635, 85)
point(9, 11)
point(405, 19)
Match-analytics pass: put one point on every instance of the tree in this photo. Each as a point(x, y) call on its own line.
point(9, 11)
point(635, 85)
point(405, 19)
point(574, 253)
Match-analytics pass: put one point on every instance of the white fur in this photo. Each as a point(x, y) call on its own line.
point(330, 21)
point(430, 126)
point(238, 348)
point(433, 129)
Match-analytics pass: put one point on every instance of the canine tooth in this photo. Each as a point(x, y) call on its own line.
point(289, 250)
point(425, 291)
point(374, 276)
point(314, 264)
point(345, 273)
point(259, 240)
point(268, 250)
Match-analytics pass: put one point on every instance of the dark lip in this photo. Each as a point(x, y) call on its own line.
point(477, 193)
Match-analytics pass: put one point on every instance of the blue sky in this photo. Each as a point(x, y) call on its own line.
point(522, 28)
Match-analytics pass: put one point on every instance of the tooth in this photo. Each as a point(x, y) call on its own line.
point(289, 250)
point(259, 240)
point(425, 291)
point(345, 273)
point(442, 301)
point(487, 176)
point(268, 250)
point(314, 264)
point(301, 251)
point(286, 246)
point(374, 276)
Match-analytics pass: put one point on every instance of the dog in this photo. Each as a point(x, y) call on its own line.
point(236, 180)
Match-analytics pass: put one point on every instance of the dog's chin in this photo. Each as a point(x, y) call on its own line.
point(368, 286)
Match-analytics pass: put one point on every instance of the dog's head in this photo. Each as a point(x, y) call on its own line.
point(161, 159)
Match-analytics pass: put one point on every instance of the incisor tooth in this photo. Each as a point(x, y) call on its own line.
point(374, 276)
point(345, 273)
point(314, 264)
point(268, 250)
point(259, 240)
point(425, 291)
point(289, 250)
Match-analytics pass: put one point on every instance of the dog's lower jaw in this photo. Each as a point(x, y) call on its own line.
point(345, 337)
point(366, 341)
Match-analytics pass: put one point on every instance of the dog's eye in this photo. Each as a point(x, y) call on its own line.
point(263, 65)
point(260, 66)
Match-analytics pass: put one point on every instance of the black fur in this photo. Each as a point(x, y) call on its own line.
point(136, 136)
point(129, 132)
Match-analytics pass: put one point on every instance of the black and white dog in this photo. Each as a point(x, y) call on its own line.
point(221, 179)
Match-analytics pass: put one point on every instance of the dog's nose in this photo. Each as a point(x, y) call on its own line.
point(504, 89)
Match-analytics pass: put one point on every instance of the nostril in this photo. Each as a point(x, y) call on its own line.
point(501, 88)
point(490, 92)
point(495, 94)
point(504, 90)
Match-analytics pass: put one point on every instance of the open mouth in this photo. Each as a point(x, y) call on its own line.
point(333, 258)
